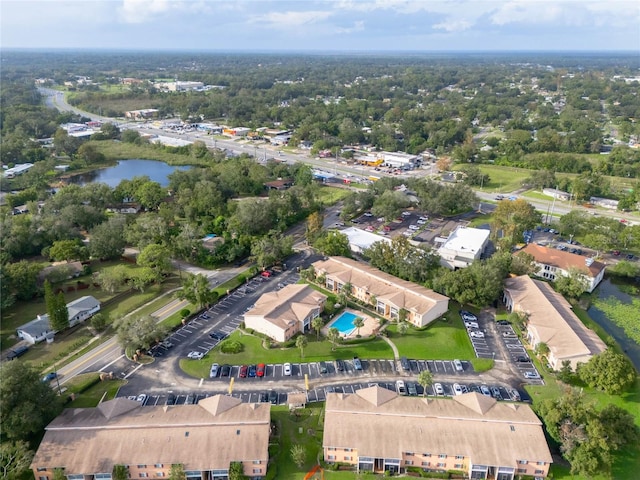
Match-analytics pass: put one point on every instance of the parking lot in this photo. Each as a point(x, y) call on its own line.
point(279, 396)
point(518, 354)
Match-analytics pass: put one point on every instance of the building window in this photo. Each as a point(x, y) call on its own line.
point(409, 454)
point(347, 458)
point(256, 462)
point(42, 469)
point(459, 457)
point(331, 457)
point(522, 470)
point(102, 476)
point(75, 477)
point(158, 465)
point(426, 455)
point(408, 462)
point(257, 470)
point(442, 465)
point(539, 472)
point(142, 466)
point(44, 477)
point(442, 455)
point(458, 466)
point(426, 464)
point(348, 449)
point(331, 449)
point(522, 462)
point(160, 474)
point(540, 463)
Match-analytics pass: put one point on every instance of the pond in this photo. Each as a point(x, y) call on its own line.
point(610, 289)
point(126, 170)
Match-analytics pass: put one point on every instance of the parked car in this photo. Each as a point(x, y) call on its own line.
point(213, 372)
point(508, 334)
point(251, 371)
point(17, 352)
point(438, 388)
point(218, 335)
point(141, 398)
point(503, 322)
point(286, 369)
point(495, 393)
point(244, 370)
point(261, 370)
point(339, 365)
point(273, 397)
point(190, 400)
point(401, 387)
point(322, 368)
point(357, 364)
point(195, 355)
point(484, 390)
point(414, 227)
point(404, 362)
point(476, 334)
point(468, 316)
point(166, 344)
point(471, 324)
point(225, 370)
point(514, 395)
point(523, 359)
point(457, 389)
point(171, 399)
point(531, 375)
point(412, 389)
point(458, 365)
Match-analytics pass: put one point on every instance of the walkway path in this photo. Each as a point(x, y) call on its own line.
point(393, 347)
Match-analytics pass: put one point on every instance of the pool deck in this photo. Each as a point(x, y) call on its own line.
point(370, 324)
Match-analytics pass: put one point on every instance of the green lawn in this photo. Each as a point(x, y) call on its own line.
point(331, 195)
point(445, 339)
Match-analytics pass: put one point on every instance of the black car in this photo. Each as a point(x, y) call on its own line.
point(503, 322)
point(322, 368)
point(340, 365)
point(273, 397)
point(225, 370)
point(523, 359)
point(190, 400)
point(171, 399)
point(263, 397)
point(218, 335)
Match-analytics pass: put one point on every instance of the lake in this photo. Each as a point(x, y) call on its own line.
point(126, 170)
point(609, 289)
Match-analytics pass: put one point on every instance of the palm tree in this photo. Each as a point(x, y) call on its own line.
point(333, 335)
point(317, 325)
point(358, 322)
point(403, 327)
point(301, 342)
point(425, 379)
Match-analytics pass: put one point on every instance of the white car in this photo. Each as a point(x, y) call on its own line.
point(476, 334)
point(401, 388)
point(406, 214)
point(286, 369)
point(471, 325)
point(414, 227)
point(408, 233)
point(214, 370)
point(485, 390)
point(421, 222)
point(437, 387)
point(457, 389)
point(195, 355)
point(531, 375)
point(458, 365)
point(141, 398)
point(424, 219)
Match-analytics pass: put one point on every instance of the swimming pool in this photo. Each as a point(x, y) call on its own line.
point(344, 323)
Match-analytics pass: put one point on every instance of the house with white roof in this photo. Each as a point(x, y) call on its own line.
point(464, 246)
point(360, 240)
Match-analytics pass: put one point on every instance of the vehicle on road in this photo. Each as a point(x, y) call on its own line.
point(50, 376)
point(213, 372)
point(195, 355)
point(286, 369)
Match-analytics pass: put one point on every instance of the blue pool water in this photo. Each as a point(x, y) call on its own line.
point(344, 323)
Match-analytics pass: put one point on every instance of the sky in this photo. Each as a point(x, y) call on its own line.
point(322, 26)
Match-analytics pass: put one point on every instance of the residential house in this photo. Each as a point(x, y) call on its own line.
point(286, 312)
point(40, 329)
point(551, 263)
point(377, 430)
point(464, 246)
point(551, 320)
point(279, 184)
point(360, 240)
point(143, 114)
point(557, 194)
point(389, 295)
point(204, 438)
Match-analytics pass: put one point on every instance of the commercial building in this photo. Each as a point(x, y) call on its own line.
point(551, 263)
point(377, 430)
point(40, 329)
point(464, 246)
point(143, 114)
point(204, 438)
point(551, 320)
point(286, 312)
point(557, 194)
point(389, 295)
point(360, 240)
point(18, 169)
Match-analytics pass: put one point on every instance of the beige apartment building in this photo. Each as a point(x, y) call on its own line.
point(386, 293)
point(204, 438)
point(377, 430)
point(286, 312)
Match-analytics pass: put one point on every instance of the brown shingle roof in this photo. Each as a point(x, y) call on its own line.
point(92, 440)
point(393, 290)
point(498, 434)
point(562, 259)
point(552, 318)
point(288, 305)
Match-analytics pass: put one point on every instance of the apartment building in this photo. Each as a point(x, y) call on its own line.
point(377, 430)
point(286, 312)
point(551, 263)
point(205, 438)
point(551, 320)
point(389, 295)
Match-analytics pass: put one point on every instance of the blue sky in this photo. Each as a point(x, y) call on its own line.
point(330, 25)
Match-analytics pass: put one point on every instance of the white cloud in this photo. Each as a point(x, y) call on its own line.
point(358, 26)
point(291, 19)
point(454, 25)
point(140, 11)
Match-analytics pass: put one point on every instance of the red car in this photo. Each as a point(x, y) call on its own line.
point(261, 369)
point(266, 274)
point(243, 371)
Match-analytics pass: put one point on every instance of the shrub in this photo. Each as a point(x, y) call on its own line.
point(231, 346)
point(185, 312)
